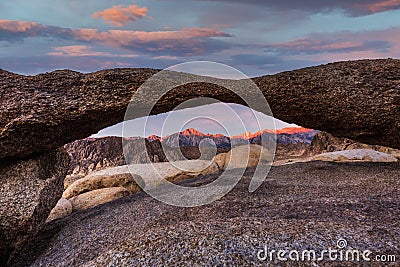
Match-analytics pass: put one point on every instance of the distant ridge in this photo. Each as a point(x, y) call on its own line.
point(298, 134)
point(192, 131)
point(193, 137)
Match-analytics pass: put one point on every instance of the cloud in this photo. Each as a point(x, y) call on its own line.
point(18, 26)
point(166, 57)
point(255, 59)
point(124, 37)
point(184, 42)
point(381, 6)
point(338, 42)
point(321, 48)
point(14, 30)
point(120, 15)
point(83, 51)
point(352, 8)
point(76, 51)
point(317, 48)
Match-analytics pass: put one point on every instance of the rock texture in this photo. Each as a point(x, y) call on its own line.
point(29, 189)
point(91, 183)
point(93, 154)
point(355, 99)
point(301, 206)
point(171, 171)
point(366, 155)
point(325, 142)
point(62, 209)
point(126, 177)
point(46, 111)
point(243, 157)
point(291, 151)
point(96, 197)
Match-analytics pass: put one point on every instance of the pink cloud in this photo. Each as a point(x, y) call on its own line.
point(166, 57)
point(120, 16)
point(319, 45)
point(346, 45)
point(183, 42)
point(75, 51)
point(83, 51)
point(124, 37)
point(16, 26)
point(189, 40)
point(380, 6)
point(384, 42)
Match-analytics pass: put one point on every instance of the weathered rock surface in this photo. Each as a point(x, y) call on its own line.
point(243, 157)
point(366, 155)
point(46, 111)
point(62, 209)
point(29, 189)
point(355, 99)
point(91, 183)
point(126, 177)
point(288, 151)
point(301, 206)
point(94, 154)
point(96, 197)
point(150, 173)
point(171, 171)
point(325, 142)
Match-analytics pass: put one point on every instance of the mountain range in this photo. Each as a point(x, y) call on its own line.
point(193, 137)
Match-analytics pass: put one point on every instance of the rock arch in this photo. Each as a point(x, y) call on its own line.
point(355, 99)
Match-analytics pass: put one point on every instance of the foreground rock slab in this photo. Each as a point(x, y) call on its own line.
point(109, 184)
point(96, 197)
point(325, 142)
point(29, 189)
point(301, 206)
point(91, 183)
point(354, 99)
point(243, 157)
point(62, 209)
point(366, 155)
point(150, 173)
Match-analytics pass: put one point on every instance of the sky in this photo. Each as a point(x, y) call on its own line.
point(257, 37)
point(218, 118)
